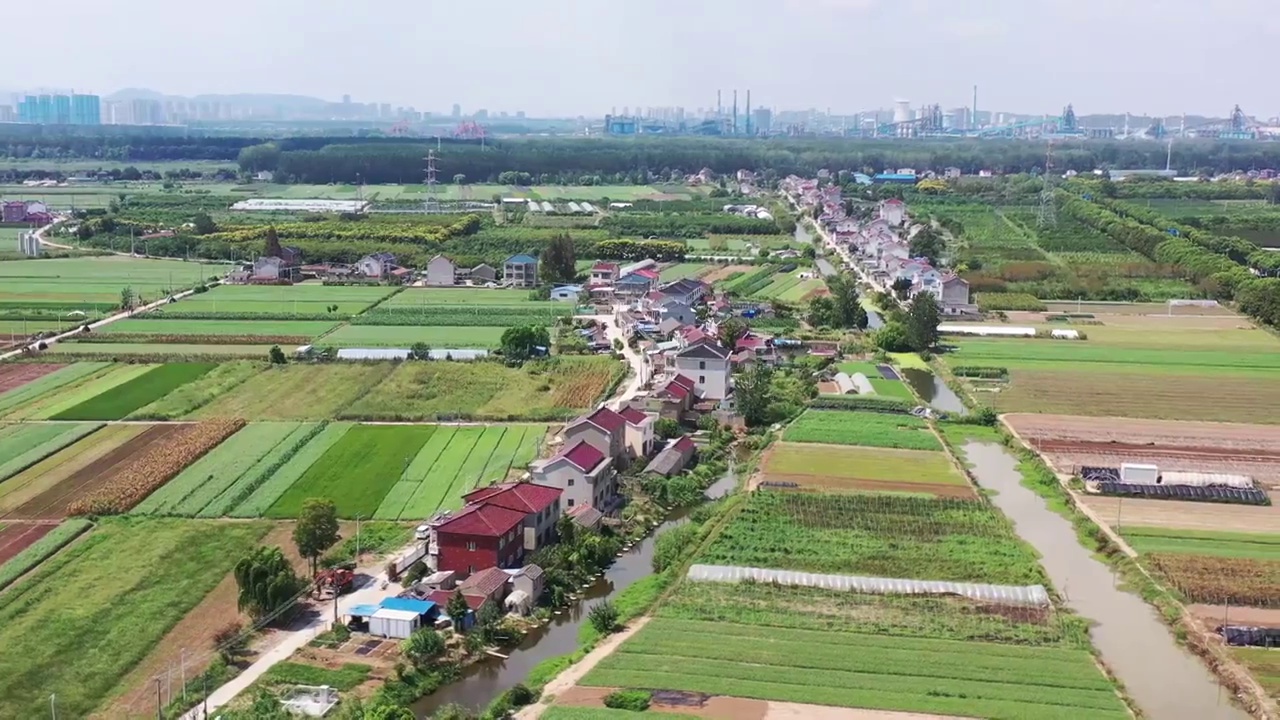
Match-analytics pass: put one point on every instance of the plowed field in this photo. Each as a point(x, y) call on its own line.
point(16, 538)
point(18, 374)
point(53, 502)
point(1187, 515)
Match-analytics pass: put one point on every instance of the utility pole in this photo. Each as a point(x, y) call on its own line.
point(53, 707)
point(357, 539)
point(183, 663)
point(159, 707)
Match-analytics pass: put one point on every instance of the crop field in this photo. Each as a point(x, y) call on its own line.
point(95, 283)
point(23, 547)
point(851, 468)
point(428, 297)
point(297, 392)
point(195, 332)
point(177, 351)
point(880, 535)
point(679, 271)
point(43, 406)
point(22, 446)
point(123, 587)
point(404, 336)
point(791, 288)
point(78, 461)
point(306, 301)
point(15, 375)
point(545, 390)
point(837, 427)
point(199, 392)
point(276, 481)
point(1219, 580)
point(137, 392)
point(1167, 541)
point(862, 670)
point(466, 314)
point(231, 472)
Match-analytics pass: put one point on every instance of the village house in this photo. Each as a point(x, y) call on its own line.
point(268, 268)
point(479, 536)
point(489, 583)
point(482, 274)
point(566, 293)
point(526, 587)
point(377, 265)
point(604, 273)
point(674, 458)
point(708, 364)
point(639, 431)
point(604, 429)
point(539, 503)
point(441, 271)
point(520, 271)
point(633, 284)
point(673, 398)
point(585, 474)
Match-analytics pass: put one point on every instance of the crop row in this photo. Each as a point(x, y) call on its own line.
point(862, 428)
point(156, 466)
point(180, 339)
point(276, 481)
point(22, 446)
point(146, 388)
point(465, 315)
point(37, 552)
point(1221, 580)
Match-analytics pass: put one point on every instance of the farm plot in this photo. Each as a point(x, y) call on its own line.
point(357, 471)
point(77, 460)
point(297, 392)
point(302, 302)
point(211, 332)
point(835, 427)
point(860, 670)
point(405, 336)
point(150, 350)
point(124, 586)
point(435, 482)
point(878, 535)
point(839, 467)
point(215, 483)
point(199, 392)
point(144, 389)
point(44, 405)
point(1220, 580)
point(25, 445)
point(276, 481)
point(679, 271)
point(92, 285)
point(430, 297)
point(15, 375)
point(23, 547)
point(465, 315)
point(1204, 543)
point(1138, 512)
point(546, 390)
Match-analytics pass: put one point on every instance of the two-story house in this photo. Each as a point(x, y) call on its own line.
point(520, 271)
point(604, 273)
point(377, 265)
point(477, 537)
point(539, 503)
point(893, 211)
point(673, 398)
point(639, 432)
point(709, 365)
point(585, 474)
point(441, 271)
point(686, 291)
point(604, 429)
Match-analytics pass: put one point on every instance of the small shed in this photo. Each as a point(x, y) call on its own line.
point(566, 293)
point(390, 623)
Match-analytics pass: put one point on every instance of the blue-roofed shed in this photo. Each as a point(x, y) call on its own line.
point(422, 607)
point(362, 611)
point(896, 178)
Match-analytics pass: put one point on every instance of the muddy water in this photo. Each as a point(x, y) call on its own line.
point(484, 681)
point(934, 391)
point(1166, 682)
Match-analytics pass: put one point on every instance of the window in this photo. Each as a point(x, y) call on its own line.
point(702, 378)
point(471, 569)
point(702, 364)
point(471, 545)
point(570, 482)
point(570, 502)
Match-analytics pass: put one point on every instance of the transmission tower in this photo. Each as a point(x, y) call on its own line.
point(432, 202)
point(1048, 215)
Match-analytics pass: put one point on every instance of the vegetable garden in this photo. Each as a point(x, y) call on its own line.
point(862, 428)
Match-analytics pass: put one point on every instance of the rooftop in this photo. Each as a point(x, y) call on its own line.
point(607, 419)
point(418, 607)
point(484, 582)
point(521, 259)
point(584, 456)
point(483, 520)
point(633, 415)
point(524, 497)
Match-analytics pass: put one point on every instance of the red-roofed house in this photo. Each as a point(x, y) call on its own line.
point(479, 536)
point(648, 274)
point(490, 583)
point(604, 429)
point(585, 474)
point(639, 433)
point(604, 273)
point(673, 458)
point(674, 397)
point(474, 601)
point(539, 503)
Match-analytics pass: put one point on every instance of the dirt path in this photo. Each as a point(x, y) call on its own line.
point(578, 670)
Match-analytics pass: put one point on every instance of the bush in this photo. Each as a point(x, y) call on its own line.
point(872, 403)
point(976, 371)
point(635, 700)
point(604, 618)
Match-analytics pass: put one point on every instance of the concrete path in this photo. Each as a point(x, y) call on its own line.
point(613, 330)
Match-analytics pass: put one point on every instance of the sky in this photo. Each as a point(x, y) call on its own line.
point(572, 57)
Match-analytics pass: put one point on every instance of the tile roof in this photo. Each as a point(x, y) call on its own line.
point(442, 597)
point(676, 391)
point(647, 274)
point(484, 582)
point(705, 350)
point(483, 520)
point(584, 456)
point(524, 497)
point(633, 415)
point(607, 419)
point(684, 444)
point(586, 515)
point(611, 267)
point(521, 259)
point(684, 381)
point(531, 571)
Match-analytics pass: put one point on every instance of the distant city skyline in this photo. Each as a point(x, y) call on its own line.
point(564, 58)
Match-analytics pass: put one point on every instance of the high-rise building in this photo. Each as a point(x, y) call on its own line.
point(482, 114)
point(86, 110)
point(8, 114)
point(59, 110)
point(763, 121)
point(457, 111)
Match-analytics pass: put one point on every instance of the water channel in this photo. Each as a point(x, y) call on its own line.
point(934, 391)
point(1165, 681)
point(484, 681)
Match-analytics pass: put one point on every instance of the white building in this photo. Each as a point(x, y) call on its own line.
point(441, 271)
point(709, 366)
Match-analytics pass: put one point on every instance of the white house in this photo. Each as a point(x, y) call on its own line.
point(441, 271)
point(709, 365)
point(566, 293)
point(639, 431)
point(584, 474)
point(893, 212)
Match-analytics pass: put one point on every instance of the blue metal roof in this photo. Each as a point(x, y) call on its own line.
point(363, 610)
point(522, 259)
point(422, 607)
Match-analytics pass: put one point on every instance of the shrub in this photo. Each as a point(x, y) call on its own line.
point(872, 403)
point(635, 700)
point(976, 371)
point(604, 618)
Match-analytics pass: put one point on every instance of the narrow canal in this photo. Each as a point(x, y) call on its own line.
point(484, 681)
point(934, 391)
point(1166, 682)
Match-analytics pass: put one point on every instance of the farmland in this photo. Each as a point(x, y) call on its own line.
point(24, 546)
point(22, 446)
point(843, 467)
point(392, 336)
point(296, 392)
point(888, 387)
point(137, 392)
point(119, 589)
point(143, 329)
point(93, 285)
point(837, 427)
point(304, 302)
point(37, 401)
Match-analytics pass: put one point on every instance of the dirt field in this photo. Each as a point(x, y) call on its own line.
point(16, 538)
point(723, 271)
point(19, 374)
point(1069, 441)
point(52, 471)
point(1187, 515)
point(194, 633)
point(53, 502)
point(835, 484)
point(1214, 615)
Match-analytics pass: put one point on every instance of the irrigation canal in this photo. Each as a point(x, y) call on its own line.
point(485, 680)
point(934, 391)
point(1165, 681)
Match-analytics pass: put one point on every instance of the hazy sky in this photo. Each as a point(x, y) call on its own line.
point(586, 56)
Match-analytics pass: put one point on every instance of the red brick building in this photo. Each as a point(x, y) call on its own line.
point(497, 527)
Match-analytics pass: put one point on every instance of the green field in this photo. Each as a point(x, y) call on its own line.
point(302, 329)
point(841, 427)
point(1203, 542)
point(426, 297)
point(22, 446)
point(297, 392)
point(90, 614)
point(42, 406)
point(683, 270)
point(67, 352)
point(307, 299)
point(41, 550)
point(1177, 352)
point(201, 391)
point(276, 482)
point(401, 336)
point(140, 391)
point(860, 463)
point(357, 471)
point(95, 283)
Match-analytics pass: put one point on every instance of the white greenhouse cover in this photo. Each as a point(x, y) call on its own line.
point(1031, 595)
point(1206, 479)
point(966, 329)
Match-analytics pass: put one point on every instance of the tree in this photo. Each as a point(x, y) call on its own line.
point(666, 428)
point(230, 642)
point(266, 581)
point(923, 317)
point(419, 351)
point(754, 392)
point(459, 179)
point(521, 342)
point(900, 288)
point(276, 355)
point(272, 248)
point(203, 224)
point(927, 243)
point(423, 646)
point(128, 298)
point(822, 312)
point(316, 529)
point(809, 252)
point(847, 310)
point(257, 158)
point(731, 331)
point(457, 610)
point(892, 337)
point(557, 263)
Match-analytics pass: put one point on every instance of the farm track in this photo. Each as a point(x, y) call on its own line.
point(53, 502)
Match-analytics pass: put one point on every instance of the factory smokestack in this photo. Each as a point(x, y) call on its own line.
point(748, 111)
point(735, 113)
